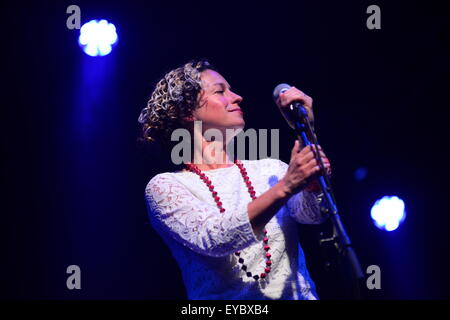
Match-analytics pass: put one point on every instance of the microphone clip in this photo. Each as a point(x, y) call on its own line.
point(298, 111)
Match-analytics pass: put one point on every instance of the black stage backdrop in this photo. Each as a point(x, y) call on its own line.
point(73, 174)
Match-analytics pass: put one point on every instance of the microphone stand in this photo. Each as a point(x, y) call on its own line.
point(340, 238)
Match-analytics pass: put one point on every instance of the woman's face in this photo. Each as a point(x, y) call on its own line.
point(219, 106)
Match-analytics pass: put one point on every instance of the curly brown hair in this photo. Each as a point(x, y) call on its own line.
point(175, 97)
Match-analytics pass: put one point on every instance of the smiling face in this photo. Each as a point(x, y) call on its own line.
point(219, 106)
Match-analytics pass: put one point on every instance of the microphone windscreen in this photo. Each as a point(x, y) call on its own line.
point(282, 87)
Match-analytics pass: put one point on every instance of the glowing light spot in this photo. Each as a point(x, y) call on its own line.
point(388, 213)
point(97, 37)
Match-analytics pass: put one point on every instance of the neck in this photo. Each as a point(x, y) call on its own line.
point(211, 155)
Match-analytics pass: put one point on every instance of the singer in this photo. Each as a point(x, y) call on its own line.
point(230, 224)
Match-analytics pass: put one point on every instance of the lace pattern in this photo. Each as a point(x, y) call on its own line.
point(203, 240)
point(304, 206)
point(195, 223)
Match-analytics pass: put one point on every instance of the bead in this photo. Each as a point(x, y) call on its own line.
point(193, 168)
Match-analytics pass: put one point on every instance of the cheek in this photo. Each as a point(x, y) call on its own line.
point(211, 108)
point(217, 102)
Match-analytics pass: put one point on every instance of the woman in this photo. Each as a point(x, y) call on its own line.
point(229, 224)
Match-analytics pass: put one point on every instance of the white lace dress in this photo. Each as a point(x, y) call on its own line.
point(203, 240)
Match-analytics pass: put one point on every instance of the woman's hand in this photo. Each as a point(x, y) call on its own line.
point(291, 95)
point(303, 169)
point(300, 175)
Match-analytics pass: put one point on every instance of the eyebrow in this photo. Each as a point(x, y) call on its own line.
point(221, 84)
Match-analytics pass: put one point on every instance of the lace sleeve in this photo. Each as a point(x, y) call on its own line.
point(304, 206)
point(175, 212)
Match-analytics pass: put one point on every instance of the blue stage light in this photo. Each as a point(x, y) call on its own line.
point(388, 213)
point(360, 174)
point(97, 37)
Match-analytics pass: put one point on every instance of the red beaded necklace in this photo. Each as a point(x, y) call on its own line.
point(193, 168)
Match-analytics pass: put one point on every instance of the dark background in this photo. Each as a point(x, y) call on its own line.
point(74, 175)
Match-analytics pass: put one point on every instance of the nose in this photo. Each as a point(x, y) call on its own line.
point(235, 98)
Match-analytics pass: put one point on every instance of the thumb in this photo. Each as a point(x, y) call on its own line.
point(296, 148)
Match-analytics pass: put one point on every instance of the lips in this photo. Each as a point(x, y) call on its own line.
point(236, 109)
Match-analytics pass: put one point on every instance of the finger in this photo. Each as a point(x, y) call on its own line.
point(306, 149)
point(294, 94)
point(322, 155)
point(309, 155)
point(325, 161)
point(327, 169)
point(311, 163)
point(295, 149)
point(314, 171)
point(304, 158)
point(314, 149)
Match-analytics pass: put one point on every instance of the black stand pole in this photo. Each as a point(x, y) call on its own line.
point(340, 238)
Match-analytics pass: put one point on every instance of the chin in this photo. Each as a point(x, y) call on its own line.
point(240, 125)
point(239, 128)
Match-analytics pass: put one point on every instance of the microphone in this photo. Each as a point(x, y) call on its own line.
point(295, 110)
